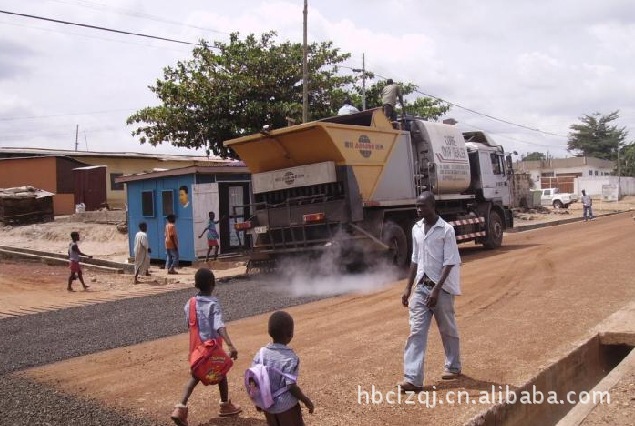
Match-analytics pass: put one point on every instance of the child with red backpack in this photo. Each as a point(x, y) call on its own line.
point(271, 381)
point(208, 361)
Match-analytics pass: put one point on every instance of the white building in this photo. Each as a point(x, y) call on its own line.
point(561, 172)
point(594, 175)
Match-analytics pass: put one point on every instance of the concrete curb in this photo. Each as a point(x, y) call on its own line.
point(524, 228)
point(8, 253)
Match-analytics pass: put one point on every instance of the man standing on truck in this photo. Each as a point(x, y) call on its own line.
point(389, 95)
point(435, 268)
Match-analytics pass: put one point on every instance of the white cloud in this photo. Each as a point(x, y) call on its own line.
point(541, 66)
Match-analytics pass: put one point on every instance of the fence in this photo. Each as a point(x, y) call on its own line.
point(593, 185)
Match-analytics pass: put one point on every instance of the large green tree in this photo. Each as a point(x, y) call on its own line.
point(596, 136)
point(232, 89)
point(627, 160)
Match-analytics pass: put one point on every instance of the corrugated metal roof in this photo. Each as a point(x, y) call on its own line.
point(70, 153)
point(234, 167)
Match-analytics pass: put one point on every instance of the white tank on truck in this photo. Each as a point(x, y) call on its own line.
point(351, 182)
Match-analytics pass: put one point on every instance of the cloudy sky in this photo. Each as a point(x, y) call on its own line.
point(536, 65)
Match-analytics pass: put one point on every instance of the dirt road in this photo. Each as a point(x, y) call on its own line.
point(523, 306)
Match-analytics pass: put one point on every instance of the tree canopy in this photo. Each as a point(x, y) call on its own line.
point(231, 89)
point(596, 136)
point(627, 160)
point(534, 156)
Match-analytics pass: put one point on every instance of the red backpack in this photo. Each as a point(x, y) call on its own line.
point(208, 361)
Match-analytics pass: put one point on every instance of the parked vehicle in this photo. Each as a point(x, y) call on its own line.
point(351, 181)
point(553, 197)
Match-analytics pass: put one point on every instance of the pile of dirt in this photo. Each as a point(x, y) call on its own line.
point(99, 240)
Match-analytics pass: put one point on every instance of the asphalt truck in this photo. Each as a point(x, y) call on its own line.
point(350, 183)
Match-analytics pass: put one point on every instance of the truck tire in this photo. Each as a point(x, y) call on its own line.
point(394, 237)
point(495, 228)
point(558, 204)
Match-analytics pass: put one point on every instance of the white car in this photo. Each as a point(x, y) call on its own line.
point(553, 197)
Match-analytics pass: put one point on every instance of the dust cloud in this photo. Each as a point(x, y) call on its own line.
point(326, 276)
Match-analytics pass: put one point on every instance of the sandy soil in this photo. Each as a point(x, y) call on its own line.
point(621, 411)
point(100, 240)
point(524, 306)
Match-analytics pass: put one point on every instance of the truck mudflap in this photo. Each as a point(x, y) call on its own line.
point(465, 229)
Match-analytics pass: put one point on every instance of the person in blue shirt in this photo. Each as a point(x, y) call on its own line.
point(210, 326)
point(212, 236)
point(286, 408)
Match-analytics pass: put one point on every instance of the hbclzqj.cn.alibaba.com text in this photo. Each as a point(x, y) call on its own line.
point(496, 395)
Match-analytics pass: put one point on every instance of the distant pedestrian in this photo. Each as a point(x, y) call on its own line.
point(435, 269)
point(587, 206)
point(212, 236)
point(283, 366)
point(347, 108)
point(389, 96)
point(210, 325)
point(171, 245)
point(73, 262)
point(141, 252)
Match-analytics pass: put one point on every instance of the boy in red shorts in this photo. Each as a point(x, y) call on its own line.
point(212, 236)
point(73, 262)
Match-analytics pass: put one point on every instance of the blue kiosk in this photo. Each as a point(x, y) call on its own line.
point(189, 193)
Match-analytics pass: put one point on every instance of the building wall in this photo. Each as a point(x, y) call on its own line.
point(41, 173)
point(593, 185)
point(572, 166)
point(118, 166)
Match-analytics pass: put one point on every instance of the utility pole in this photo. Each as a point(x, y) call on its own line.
point(305, 70)
point(76, 135)
point(363, 71)
point(619, 174)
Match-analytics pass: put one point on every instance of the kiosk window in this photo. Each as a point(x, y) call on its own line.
point(147, 203)
point(167, 201)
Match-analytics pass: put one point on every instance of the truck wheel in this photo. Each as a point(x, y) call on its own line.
point(558, 204)
point(495, 228)
point(394, 237)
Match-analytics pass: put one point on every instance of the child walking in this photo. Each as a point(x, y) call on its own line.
point(285, 410)
point(73, 262)
point(211, 326)
point(212, 236)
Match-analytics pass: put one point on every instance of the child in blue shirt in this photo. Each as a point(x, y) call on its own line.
point(210, 326)
point(286, 408)
point(212, 236)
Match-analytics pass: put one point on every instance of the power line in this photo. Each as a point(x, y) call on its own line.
point(71, 114)
point(491, 117)
point(134, 13)
point(76, 34)
point(96, 27)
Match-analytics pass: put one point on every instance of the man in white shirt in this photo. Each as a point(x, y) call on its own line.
point(141, 252)
point(435, 268)
point(347, 108)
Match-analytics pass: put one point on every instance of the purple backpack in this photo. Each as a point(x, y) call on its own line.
point(258, 384)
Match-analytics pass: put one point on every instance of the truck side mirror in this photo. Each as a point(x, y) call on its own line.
point(508, 160)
